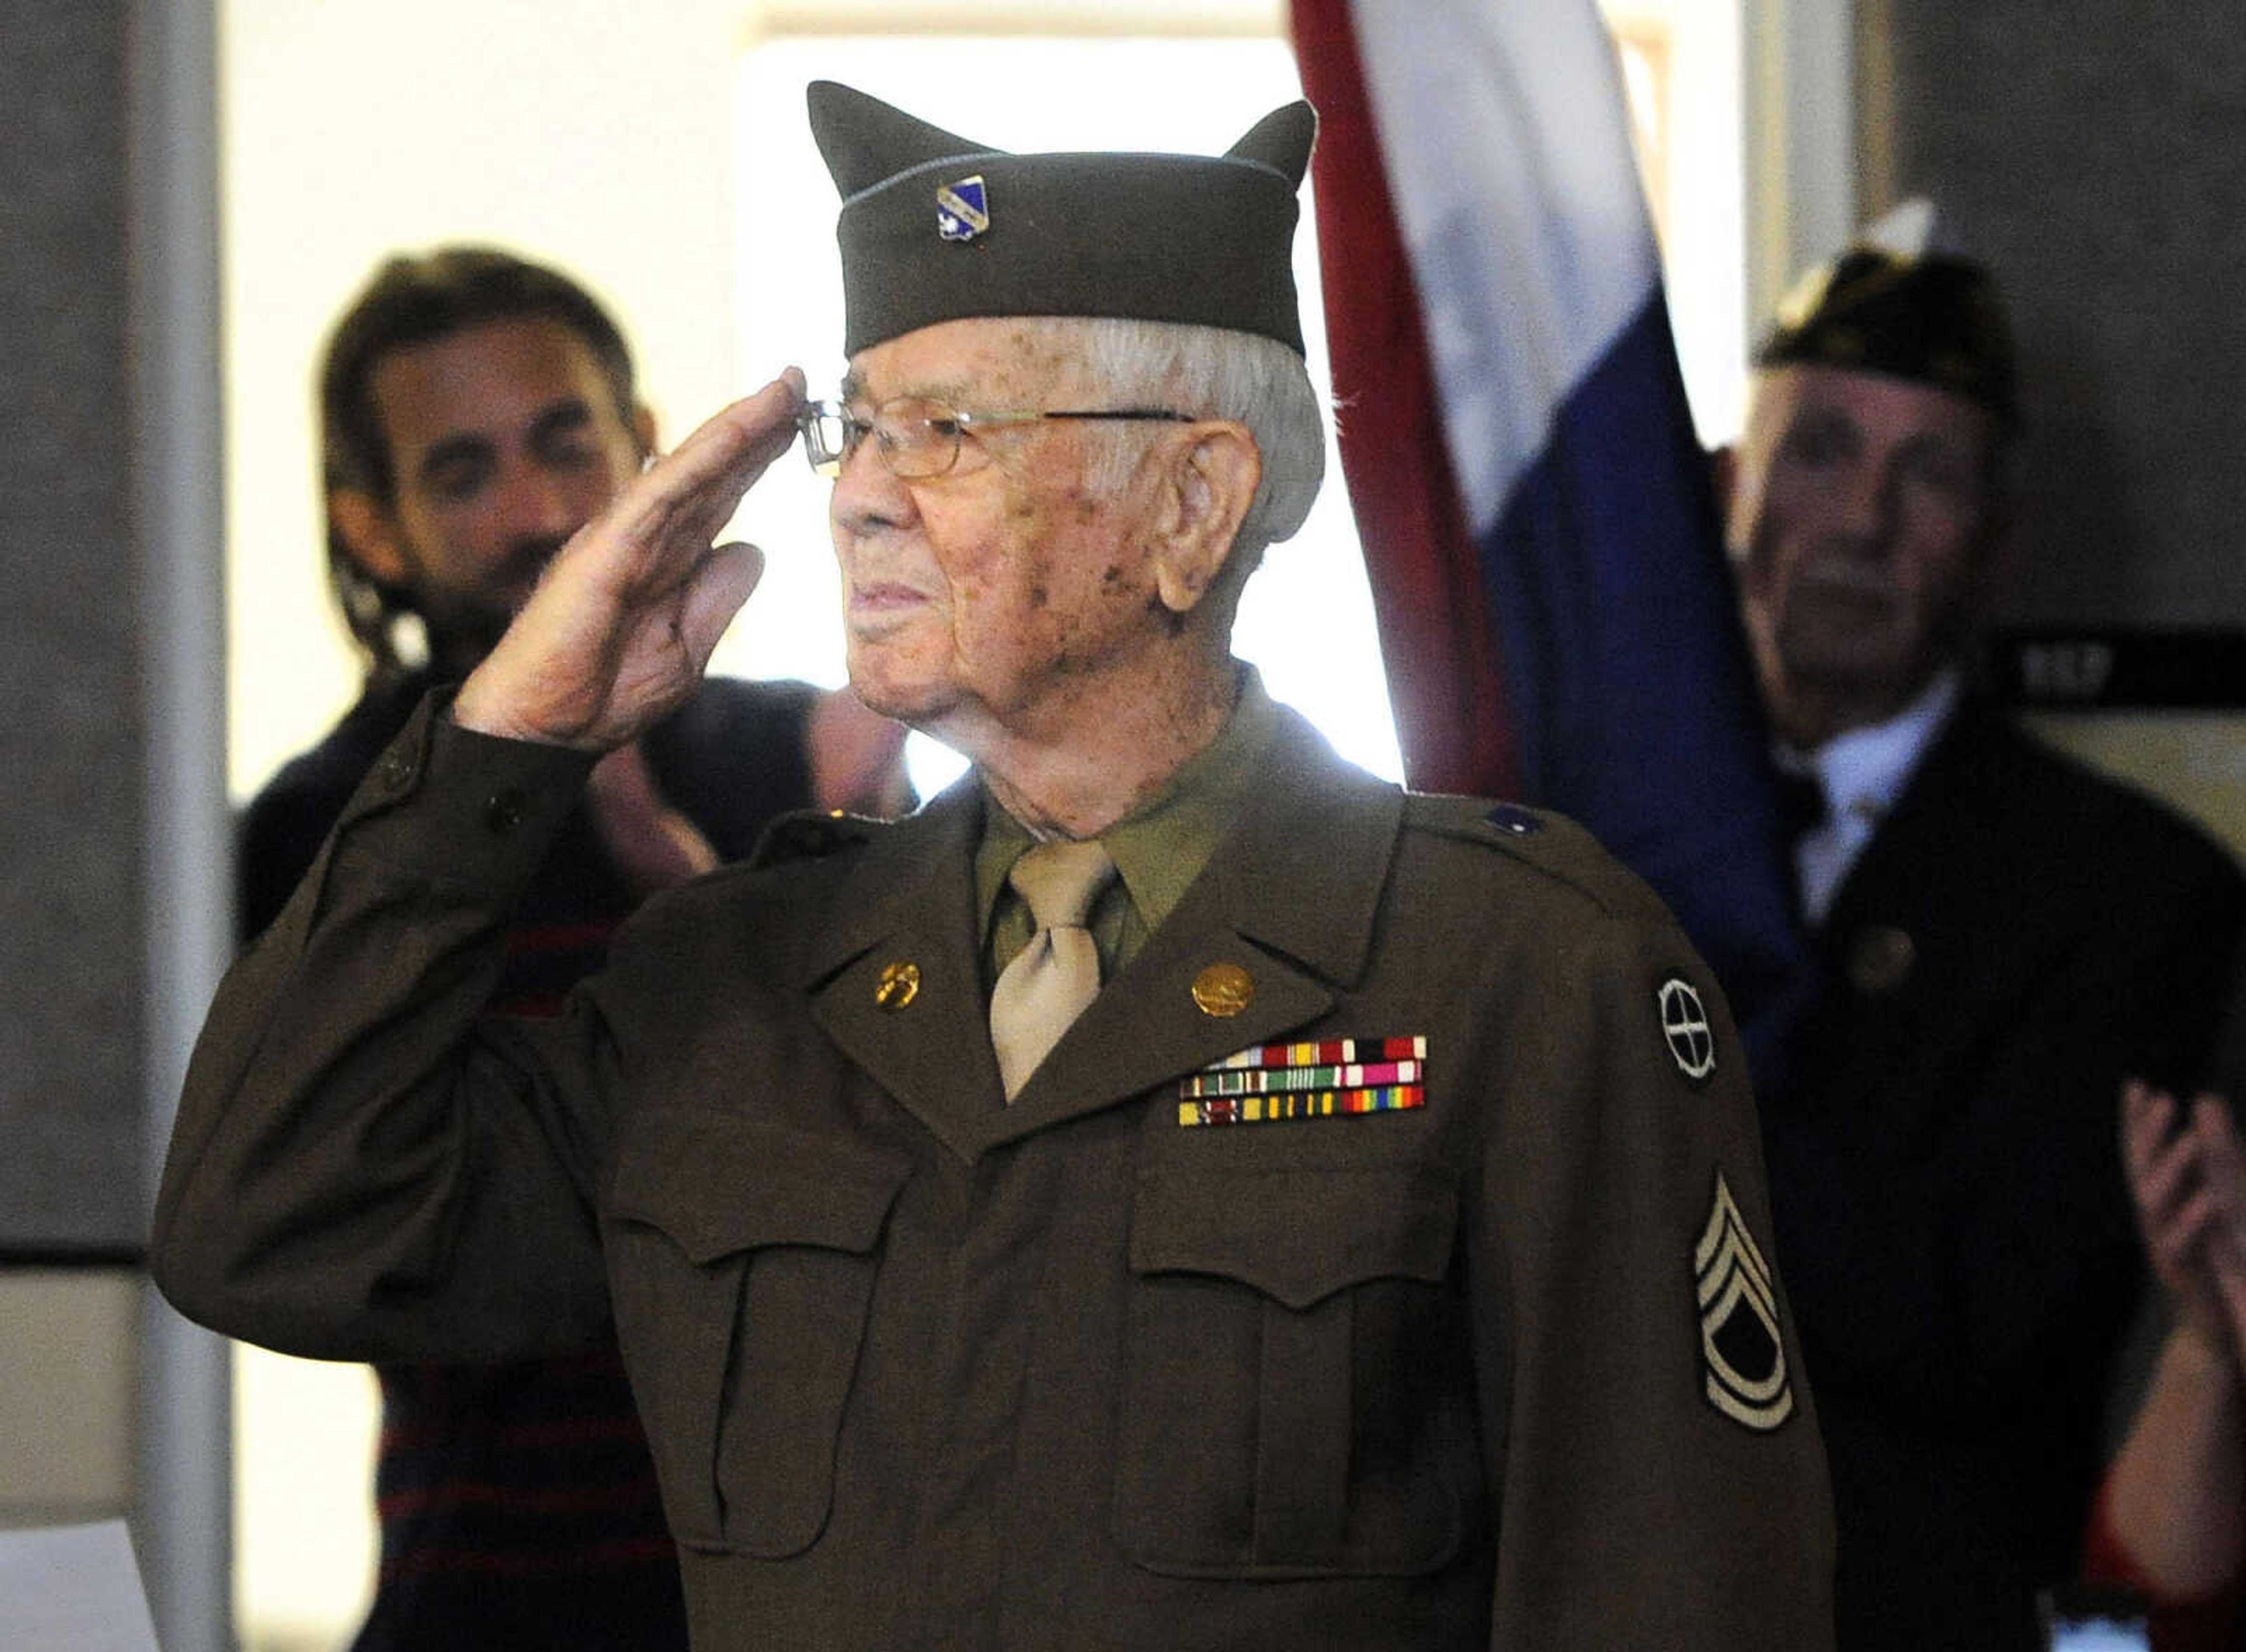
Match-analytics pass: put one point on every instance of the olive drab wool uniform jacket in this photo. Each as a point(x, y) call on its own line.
point(1482, 1349)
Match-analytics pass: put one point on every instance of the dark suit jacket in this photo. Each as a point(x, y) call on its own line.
point(2018, 936)
point(923, 1370)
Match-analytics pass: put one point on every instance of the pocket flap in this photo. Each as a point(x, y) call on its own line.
point(717, 1184)
point(1296, 1235)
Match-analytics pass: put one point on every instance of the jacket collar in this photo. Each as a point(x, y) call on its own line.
point(1290, 896)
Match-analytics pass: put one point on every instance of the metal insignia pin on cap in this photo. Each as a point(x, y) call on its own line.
point(963, 209)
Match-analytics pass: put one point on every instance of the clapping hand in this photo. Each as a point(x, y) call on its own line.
point(2187, 1170)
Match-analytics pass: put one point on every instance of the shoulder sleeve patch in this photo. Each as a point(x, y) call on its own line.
point(811, 835)
point(1686, 1028)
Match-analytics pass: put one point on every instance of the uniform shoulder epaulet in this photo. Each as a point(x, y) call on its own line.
point(812, 834)
point(1479, 819)
point(1550, 843)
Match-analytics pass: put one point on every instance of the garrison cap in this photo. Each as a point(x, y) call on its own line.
point(935, 227)
point(1935, 318)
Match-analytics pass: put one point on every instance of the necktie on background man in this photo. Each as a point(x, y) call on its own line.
point(1050, 981)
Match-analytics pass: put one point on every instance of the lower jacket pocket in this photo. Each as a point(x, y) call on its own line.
point(743, 1259)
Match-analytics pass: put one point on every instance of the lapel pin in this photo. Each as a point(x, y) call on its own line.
point(898, 987)
point(1223, 990)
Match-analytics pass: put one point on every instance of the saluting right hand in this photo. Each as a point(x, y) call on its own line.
point(622, 623)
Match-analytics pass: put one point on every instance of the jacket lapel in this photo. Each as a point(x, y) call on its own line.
point(908, 911)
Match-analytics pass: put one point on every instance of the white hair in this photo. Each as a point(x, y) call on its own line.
point(1207, 373)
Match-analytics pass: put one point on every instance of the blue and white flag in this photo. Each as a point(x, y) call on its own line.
point(1475, 161)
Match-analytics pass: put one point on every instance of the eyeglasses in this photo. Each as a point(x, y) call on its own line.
point(918, 437)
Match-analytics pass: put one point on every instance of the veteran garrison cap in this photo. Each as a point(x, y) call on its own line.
point(936, 227)
point(1935, 317)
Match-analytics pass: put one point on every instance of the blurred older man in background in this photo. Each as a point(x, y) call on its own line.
point(2000, 935)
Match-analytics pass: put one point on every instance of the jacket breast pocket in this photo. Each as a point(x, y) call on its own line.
point(742, 1259)
point(1297, 1401)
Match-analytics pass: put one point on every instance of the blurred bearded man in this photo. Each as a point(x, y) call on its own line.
point(477, 410)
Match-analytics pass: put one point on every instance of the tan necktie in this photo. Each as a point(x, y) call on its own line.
point(1052, 980)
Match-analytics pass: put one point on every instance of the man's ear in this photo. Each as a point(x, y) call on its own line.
point(1213, 469)
point(369, 534)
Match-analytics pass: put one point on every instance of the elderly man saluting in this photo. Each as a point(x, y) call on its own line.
point(1175, 1191)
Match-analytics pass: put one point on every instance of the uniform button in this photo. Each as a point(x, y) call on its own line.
point(1881, 960)
point(1508, 816)
point(396, 772)
point(503, 814)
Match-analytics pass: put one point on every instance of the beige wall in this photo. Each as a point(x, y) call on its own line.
point(67, 1386)
point(580, 132)
point(2194, 760)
